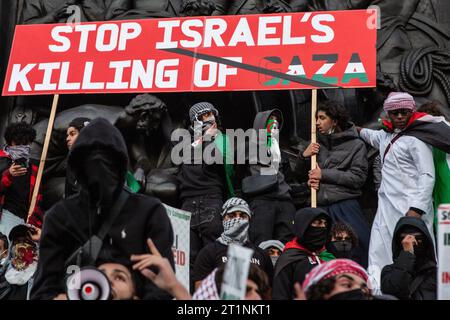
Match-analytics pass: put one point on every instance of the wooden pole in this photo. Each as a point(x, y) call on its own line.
point(48, 135)
point(313, 140)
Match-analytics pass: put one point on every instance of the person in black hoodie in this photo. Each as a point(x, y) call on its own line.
point(307, 250)
point(413, 274)
point(266, 189)
point(203, 185)
point(99, 162)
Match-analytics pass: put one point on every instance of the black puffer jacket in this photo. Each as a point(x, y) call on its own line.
point(407, 278)
point(343, 161)
point(65, 230)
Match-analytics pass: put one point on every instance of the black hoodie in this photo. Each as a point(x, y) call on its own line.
point(294, 263)
point(408, 278)
point(64, 230)
point(260, 123)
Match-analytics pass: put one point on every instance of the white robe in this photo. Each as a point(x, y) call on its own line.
point(407, 181)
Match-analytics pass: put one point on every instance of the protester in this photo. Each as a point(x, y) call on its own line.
point(16, 278)
point(266, 188)
point(307, 250)
point(273, 248)
point(119, 219)
point(203, 186)
point(408, 176)
point(339, 279)
point(74, 129)
point(342, 241)
point(18, 178)
point(413, 275)
point(341, 171)
point(236, 216)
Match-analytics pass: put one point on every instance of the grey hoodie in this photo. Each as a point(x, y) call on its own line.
point(282, 192)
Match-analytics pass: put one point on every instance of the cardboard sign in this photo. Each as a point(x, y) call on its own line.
point(181, 223)
point(224, 53)
point(234, 283)
point(444, 252)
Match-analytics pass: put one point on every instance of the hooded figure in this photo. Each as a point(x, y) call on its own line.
point(303, 253)
point(413, 273)
point(266, 187)
point(236, 215)
point(99, 162)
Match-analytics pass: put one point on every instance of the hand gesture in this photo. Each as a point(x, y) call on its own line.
point(165, 277)
point(408, 243)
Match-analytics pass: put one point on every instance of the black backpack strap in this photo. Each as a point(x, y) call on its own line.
point(88, 253)
point(390, 145)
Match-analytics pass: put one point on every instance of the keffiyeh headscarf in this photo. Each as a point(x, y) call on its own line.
point(331, 269)
point(236, 229)
point(207, 289)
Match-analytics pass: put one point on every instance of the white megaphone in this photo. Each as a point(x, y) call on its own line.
point(88, 284)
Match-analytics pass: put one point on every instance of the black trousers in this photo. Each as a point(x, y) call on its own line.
point(206, 224)
point(271, 220)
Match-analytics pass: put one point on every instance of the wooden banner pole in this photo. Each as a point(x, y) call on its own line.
point(313, 140)
point(48, 135)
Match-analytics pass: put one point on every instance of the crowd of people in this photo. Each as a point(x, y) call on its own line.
point(326, 253)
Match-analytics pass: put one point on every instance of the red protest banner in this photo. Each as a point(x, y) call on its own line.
point(254, 52)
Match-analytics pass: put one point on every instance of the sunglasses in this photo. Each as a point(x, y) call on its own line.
point(403, 112)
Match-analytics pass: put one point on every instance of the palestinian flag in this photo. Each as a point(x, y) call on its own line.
point(434, 131)
point(441, 192)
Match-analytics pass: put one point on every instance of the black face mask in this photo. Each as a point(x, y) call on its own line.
point(314, 238)
point(356, 294)
point(101, 178)
point(340, 249)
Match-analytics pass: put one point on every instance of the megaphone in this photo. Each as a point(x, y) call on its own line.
point(88, 284)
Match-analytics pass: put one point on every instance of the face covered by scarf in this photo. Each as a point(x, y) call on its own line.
point(315, 238)
point(18, 152)
point(235, 231)
point(341, 249)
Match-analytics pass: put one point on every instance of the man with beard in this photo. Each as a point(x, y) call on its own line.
point(412, 276)
point(102, 216)
point(306, 251)
point(236, 215)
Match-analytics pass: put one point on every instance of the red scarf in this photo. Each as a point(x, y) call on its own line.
point(295, 245)
point(387, 124)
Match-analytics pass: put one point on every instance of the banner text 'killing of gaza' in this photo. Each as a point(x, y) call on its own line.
point(214, 30)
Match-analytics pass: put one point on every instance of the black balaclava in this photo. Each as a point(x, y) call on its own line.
point(315, 238)
point(101, 177)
